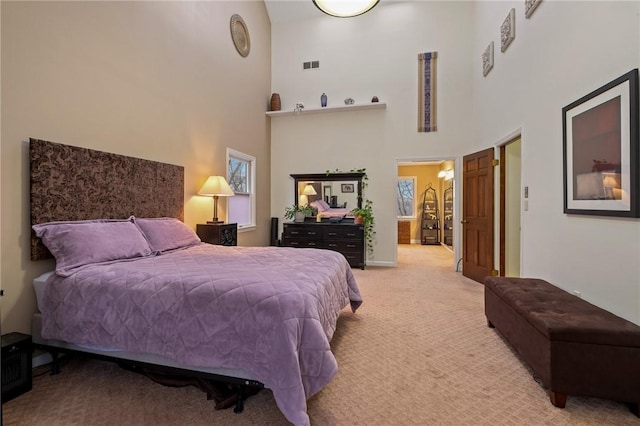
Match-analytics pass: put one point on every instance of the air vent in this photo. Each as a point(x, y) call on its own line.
point(310, 65)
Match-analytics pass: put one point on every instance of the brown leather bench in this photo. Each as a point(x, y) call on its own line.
point(574, 347)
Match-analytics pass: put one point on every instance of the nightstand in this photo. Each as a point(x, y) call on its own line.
point(16, 365)
point(223, 234)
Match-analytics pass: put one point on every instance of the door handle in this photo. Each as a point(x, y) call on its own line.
point(464, 221)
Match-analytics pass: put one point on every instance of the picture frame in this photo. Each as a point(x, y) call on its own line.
point(508, 30)
point(530, 7)
point(346, 187)
point(487, 59)
point(601, 150)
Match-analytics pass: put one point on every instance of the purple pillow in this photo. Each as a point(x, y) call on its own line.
point(319, 206)
point(324, 204)
point(77, 244)
point(165, 233)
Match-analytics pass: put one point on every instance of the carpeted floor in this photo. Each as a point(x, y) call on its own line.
point(418, 352)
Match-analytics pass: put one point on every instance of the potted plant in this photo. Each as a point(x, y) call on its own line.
point(364, 215)
point(297, 212)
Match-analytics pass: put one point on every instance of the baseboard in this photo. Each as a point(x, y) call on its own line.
point(379, 263)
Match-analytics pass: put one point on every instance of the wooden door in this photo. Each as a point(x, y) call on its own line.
point(477, 215)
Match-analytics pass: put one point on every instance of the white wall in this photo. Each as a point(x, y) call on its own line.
point(564, 51)
point(156, 80)
point(373, 54)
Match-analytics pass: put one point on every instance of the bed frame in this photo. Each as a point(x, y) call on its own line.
point(72, 183)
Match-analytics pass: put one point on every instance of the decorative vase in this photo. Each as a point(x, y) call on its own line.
point(275, 102)
point(323, 100)
point(374, 99)
point(299, 217)
point(358, 220)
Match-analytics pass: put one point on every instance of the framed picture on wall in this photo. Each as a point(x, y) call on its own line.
point(346, 187)
point(601, 150)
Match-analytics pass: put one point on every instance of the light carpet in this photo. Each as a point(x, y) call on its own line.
point(418, 352)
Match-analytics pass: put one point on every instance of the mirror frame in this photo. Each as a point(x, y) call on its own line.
point(328, 177)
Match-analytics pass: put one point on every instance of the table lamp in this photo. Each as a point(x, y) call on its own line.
point(216, 186)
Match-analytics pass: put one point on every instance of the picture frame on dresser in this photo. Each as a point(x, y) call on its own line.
point(601, 150)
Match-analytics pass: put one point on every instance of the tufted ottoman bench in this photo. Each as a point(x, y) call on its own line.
point(574, 347)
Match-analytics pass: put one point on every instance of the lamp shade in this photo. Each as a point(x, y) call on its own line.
point(216, 185)
point(345, 8)
point(309, 190)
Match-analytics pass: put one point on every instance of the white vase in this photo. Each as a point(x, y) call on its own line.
point(299, 217)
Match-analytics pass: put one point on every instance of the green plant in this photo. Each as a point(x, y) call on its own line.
point(290, 212)
point(365, 216)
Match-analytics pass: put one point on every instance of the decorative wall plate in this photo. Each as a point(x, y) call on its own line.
point(508, 30)
point(240, 35)
point(487, 59)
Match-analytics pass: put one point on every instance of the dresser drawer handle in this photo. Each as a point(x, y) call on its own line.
point(311, 233)
point(332, 234)
point(294, 243)
point(311, 243)
point(349, 234)
point(333, 245)
point(294, 232)
point(351, 245)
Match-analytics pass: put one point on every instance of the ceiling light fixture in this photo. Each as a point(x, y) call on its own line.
point(345, 8)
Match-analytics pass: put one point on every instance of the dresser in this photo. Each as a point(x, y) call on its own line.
point(222, 234)
point(346, 238)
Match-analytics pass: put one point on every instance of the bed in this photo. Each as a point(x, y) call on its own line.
point(324, 210)
point(145, 288)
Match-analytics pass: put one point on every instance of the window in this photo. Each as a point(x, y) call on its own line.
point(241, 174)
point(406, 197)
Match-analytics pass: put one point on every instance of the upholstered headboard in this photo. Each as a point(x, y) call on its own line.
point(71, 183)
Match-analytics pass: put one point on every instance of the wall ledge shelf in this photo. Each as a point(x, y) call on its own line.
point(342, 108)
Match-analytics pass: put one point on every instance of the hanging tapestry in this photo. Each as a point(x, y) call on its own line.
point(427, 81)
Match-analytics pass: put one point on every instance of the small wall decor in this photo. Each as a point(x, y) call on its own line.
point(487, 59)
point(349, 101)
point(530, 6)
point(427, 93)
point(508, 30)
point(601, 151)
point(346, 187)
point(275, 102)
point(323, 100)
point(240, 35)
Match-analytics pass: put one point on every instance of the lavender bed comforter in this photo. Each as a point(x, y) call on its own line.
point(266, 310)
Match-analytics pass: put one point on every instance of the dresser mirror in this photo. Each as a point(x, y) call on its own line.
point(338, 190)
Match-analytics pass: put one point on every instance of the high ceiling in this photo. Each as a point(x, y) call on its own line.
point(293, 10)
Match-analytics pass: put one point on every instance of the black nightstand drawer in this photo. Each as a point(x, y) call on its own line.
point(222, 234)
point(16, 365)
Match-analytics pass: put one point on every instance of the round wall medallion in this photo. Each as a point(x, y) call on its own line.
point(240, 35)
